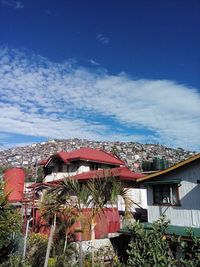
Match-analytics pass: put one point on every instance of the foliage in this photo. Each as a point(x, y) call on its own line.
point(31, 174)
point(52, 262)
point(191, 251)
point(10, 226)
point(53, 204)
point(3, 169)
point(37, 249)
point(104, 256)
point(67, 199)
point(16, 261)
point(152, 248)
point(149, 248)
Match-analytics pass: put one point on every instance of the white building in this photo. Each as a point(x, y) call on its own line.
point(87, 163)
point(175, 192)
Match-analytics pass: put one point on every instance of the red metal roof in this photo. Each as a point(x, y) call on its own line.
point(122, 172)
point(91, 154)
point(43, 162)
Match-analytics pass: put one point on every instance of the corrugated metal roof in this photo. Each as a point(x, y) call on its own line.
point(122, 172)
point(170, 230)
point(90, 154)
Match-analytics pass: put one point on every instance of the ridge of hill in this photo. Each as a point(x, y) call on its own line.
point(133, 153)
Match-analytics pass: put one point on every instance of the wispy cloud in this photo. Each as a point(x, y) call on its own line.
point(42, 98)
point(93, 62)
point(103, 39)
point(13, 3)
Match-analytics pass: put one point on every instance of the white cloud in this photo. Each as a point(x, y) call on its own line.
point(42, 98)
point(93, 62)
point(103, 39)
point(13, 3)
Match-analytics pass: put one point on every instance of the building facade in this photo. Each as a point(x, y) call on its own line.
point(175, 193)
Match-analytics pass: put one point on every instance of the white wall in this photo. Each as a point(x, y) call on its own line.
point(70, 170)
point(138, 195)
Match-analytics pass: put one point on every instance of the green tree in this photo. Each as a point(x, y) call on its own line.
point(60, 215)
point(149, 248)
point(93, 194)
point(37, 245)
point(10, 226)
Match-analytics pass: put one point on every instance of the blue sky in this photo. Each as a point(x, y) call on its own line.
point(101, 70)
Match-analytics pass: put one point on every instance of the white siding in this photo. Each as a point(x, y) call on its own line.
point(55, 176)
point(188, 214)
point(138, 196)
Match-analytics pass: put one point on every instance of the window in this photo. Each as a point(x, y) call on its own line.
point(60, 166)
point(94, 166)
point(166, 194)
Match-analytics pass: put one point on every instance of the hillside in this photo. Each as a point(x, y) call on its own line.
point(132, 153)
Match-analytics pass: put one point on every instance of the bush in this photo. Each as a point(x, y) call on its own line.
point(37, 246)
point(153, 248)
point(16, 261)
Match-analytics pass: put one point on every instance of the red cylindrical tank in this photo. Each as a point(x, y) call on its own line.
point(14, 184)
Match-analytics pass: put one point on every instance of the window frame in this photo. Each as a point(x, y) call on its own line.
point(173, 189)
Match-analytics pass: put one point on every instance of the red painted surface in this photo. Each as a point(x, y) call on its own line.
point(122, 172)
point(108, 221)
point(95, 155)
point(14, 184)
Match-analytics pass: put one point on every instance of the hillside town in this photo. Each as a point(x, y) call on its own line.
point(132, 153)
point(100, 133)
point(97, 201)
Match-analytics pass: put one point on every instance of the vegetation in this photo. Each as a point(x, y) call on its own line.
point(61, 209)
point(37, 245)
point(10, 226)
point(70, 196)
point(153, 248)
point(3, 169)
point(31, 175)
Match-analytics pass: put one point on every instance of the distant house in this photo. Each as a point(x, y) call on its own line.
point(87, 163)
point(175, 192)
point(66, 164)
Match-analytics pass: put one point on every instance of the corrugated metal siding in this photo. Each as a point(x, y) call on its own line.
point(188, 214)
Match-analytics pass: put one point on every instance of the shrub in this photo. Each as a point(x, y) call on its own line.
point(152, 248)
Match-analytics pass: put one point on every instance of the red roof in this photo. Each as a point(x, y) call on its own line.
point(122, 172)
point(43, 162)
point(90, 154)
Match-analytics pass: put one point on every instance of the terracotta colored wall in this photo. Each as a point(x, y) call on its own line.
point(14, 184)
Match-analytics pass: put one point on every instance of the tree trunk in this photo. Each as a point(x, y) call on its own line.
point(93, 240)
point(80, 254)
point(53, 227)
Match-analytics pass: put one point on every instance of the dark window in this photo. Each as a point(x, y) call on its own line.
point(49, 170)
point(94, 166)
point(166, 194)
point(60, 167)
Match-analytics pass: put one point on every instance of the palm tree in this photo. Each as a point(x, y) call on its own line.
point(93, 194)
point(64, 200)
point(105, 190)
point(57, 213)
